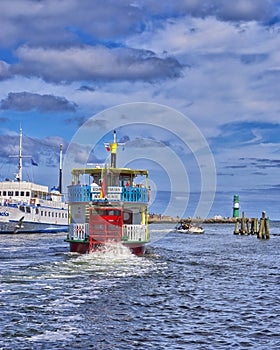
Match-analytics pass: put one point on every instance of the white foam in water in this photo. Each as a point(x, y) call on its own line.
point(113, 250)
point(113, 259)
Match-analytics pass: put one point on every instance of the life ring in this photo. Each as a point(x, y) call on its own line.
point(32, 201)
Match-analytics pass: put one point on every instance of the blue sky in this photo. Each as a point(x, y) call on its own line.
point(62, 63)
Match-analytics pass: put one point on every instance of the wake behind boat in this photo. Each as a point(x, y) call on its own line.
point(27, 207)
point(184, 227)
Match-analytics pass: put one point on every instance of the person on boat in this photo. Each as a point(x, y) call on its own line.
point(93, 185)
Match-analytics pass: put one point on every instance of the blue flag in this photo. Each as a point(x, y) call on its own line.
point(33, 162)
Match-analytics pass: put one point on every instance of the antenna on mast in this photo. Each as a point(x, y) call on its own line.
point(20, 156)
point(19, 175)
point(60, 169)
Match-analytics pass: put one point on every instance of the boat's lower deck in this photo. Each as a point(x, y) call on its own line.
point(83, 247)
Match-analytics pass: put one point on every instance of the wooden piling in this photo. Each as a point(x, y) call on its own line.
point(263, 232)
point(236, 229)
point(243, 221)
point(245, 226)
point(254, 226)
point(266, 227)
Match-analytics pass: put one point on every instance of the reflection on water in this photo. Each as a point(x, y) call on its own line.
point(211, 291)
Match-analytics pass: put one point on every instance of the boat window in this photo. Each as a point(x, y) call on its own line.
point(52, 214)
point(28, 209)
point(115, 212)
point(10, 193)
point(21, 208)
point(27, 194)
point(0, 193)
point(4, 193)
point(17, 193)
point(37, 211)
point(45, 213)
point(42, 213)
point(49, 213)
point(22, 193)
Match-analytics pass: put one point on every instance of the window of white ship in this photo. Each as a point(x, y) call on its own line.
point(10, 193)
point(4, 193)
point(22, 193)
point(27, 194)
point(17, 193)
point(28, 210)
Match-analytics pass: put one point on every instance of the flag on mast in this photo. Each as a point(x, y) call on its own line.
point(107, 147)
point(33, 162)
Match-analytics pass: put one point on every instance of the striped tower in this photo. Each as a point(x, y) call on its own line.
point(235, 206)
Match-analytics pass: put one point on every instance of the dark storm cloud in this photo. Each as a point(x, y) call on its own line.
point(25, 101)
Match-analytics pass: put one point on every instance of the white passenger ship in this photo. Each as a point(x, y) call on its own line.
point(27, 207)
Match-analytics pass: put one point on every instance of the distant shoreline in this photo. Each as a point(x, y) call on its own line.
point(163, 219)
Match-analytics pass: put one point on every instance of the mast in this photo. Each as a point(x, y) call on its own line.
point(19, 174)
point(60, 169)
point(19, 156)
point(113, 147)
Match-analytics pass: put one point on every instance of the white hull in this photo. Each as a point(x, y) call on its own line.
point(29, 219)
point(192, 230)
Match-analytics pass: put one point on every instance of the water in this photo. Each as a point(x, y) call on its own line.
point(211, 291)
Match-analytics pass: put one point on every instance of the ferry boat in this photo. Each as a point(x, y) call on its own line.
point(108, 205)
point(27, 207)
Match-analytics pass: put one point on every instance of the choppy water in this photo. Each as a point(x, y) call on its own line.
point(211, 291)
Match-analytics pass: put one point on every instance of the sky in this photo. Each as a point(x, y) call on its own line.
point(191, 86)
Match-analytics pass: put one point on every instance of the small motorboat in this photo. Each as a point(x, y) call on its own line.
point(184, 227)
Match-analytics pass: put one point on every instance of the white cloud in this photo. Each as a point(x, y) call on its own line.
point(88, 63)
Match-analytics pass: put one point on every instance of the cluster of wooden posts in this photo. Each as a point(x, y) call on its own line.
point(245, 226)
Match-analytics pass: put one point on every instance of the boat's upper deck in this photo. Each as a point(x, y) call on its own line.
point(109, 184)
